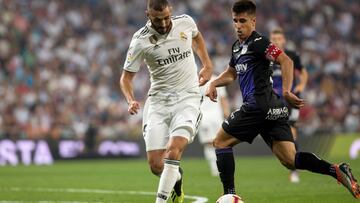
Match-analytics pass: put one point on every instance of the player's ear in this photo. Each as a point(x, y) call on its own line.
point(254, 20)
point(147, 13)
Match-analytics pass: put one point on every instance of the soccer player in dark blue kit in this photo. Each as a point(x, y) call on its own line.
point(277, 37)
point(263, 112)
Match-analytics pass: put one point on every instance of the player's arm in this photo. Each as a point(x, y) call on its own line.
point(225, 78)
point(287, 68)
point(198, 45)
point(127, 89)
point(303, 78)
point(134, 59)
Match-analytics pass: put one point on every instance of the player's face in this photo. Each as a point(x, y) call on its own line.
point(160, 20)
point(278, 39)
point(244, 24)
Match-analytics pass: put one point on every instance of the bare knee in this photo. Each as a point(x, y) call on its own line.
point(288, 159)
point(156, 166)
point(285, 152)
point(174, 152)
point(176, 147)
point(288, 163)
point(224, 140)
point(220, 144)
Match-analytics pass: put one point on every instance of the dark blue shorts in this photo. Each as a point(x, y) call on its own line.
point(246, 123)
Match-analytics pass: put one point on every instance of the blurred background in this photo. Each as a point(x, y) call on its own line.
point(60, 63)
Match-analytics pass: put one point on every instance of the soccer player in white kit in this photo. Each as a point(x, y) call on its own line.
point(172, 110)
point(214, 114)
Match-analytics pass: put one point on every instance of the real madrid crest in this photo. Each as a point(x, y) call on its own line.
point(183, 36)
point(153, 40)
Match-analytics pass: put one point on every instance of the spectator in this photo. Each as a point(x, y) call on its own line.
point(60, 62)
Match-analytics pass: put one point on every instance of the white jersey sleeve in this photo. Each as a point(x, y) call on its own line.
point(194, 29)
point(134, 56)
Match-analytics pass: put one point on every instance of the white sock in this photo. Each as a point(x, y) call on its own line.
point(210, 156)
point(168, 179)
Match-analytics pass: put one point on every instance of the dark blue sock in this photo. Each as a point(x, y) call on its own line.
point(310, 162)
point(226, 166)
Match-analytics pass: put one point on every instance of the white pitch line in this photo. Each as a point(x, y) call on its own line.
point(43, 201)
point(197, 199)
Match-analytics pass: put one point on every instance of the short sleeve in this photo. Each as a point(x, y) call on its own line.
point(232, 61)
point(234, 49)
point(134, 56)
point(264, 48)
point(194, 28)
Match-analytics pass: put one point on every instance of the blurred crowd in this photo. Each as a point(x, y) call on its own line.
point(60, 62)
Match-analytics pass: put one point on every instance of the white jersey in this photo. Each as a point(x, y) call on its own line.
point(169, 57)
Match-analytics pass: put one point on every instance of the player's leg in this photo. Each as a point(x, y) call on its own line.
point(223, 144)
point(155, 133)
point(156, 161)
point(155, 137)
point(241, 126)
point(171, 173)
point(183, 127)
point(286, 153)
point(278, 136)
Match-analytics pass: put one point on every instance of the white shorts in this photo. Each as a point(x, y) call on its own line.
point(170, 115)
point(208, 129)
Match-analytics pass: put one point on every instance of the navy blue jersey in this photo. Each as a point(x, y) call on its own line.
point(251, 59)
point(276, 76)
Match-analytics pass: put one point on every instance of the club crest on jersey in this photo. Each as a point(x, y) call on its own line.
point(241, 68)
point(153, 39)
point(183, 36)
point(244, 49)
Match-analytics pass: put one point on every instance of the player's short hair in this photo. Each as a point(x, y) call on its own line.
point(277, 30)
point(158, 5)
point(242, 6)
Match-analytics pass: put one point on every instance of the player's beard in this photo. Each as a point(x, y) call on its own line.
point(163, 30)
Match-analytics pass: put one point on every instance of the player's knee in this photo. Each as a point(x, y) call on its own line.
point(219, 144)
point(288, 163)
point(156, 167)
point(174, 152)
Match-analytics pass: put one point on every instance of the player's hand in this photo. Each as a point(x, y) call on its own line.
point(205, 75)
point(211, 92)
point(134, 107)
point(293, 100)
point(299, 89)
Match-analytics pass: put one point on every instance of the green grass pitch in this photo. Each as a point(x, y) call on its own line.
point(258, 180)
